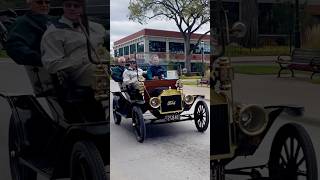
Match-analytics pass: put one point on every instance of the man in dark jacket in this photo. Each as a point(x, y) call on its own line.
point(156, 71)
point(23, 44)
point(117, 72)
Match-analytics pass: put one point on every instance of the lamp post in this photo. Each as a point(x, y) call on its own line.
point(202, 46)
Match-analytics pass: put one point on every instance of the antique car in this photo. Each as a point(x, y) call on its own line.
point(46, 139)
point(239, 129)
point(165, 100)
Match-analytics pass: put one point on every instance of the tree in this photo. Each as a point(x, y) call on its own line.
point(188, 15)
point(249, 16)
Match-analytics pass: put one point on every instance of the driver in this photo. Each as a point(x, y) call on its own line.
point(133, 80)
point(64, 46)
point(66, 54)
point(155, 71)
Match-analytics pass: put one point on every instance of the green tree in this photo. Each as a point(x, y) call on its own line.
point(189, 16)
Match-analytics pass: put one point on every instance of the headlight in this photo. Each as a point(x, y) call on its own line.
point(179, 84)
point(252, 120)
point(154, 102)
point(188, 99)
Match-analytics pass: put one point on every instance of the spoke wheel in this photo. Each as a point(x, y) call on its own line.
point(292, 155)
point(201, 116)
point(116, 117)
point(138, 124)
point(86, 162)
point(18, 170)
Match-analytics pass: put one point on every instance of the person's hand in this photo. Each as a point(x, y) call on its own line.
point(155, 78)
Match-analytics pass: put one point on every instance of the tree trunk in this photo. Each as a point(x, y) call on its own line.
point(187, 54)
point(249, 16)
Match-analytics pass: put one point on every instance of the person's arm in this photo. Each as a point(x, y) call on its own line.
point(52, 51)
point(18, 47)
point(149, 74)
point(126, 78)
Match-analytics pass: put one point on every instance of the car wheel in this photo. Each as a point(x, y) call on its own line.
point(201, 116)
point(86, 162)
point(138, 123)
point(292, 155)
point(116, 116)
point(18, 170)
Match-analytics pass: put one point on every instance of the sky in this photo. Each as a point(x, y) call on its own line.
point(120, 26)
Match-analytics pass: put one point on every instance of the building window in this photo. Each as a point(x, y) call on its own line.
point(175, 47)
point(140, 46)
point(120, 51)
point(133, 48)
point(157, 46)
point(197, 50)
point(126, 50)
point(116, 53)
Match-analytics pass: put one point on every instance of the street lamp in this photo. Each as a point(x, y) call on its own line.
point(202, 47)
point(297, 26)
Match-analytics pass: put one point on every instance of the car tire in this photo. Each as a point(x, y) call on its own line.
point(286, 160)
point(86, 162)
point(201, 116)
point(18, 170)
point(138, 124)
point(116, 116)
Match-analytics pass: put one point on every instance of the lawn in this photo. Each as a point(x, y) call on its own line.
point(3, 54)
point(262, 51)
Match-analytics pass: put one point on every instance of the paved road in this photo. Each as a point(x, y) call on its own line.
point(171, 151)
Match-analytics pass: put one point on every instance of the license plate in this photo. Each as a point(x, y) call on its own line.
point(172, 117)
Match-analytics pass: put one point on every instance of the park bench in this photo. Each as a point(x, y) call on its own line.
point(302, 60)
point(203, 80)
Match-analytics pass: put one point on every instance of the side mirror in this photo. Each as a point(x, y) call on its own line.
point(239, 30)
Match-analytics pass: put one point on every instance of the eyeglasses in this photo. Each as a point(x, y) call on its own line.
point(132, 62)
point(42, 2)
point(70, 5)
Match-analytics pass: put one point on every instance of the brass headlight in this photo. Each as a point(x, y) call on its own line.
point(252, 120)
point(188, 99)
point(154, 102)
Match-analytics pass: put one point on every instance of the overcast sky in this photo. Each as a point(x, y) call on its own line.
point(120, 26)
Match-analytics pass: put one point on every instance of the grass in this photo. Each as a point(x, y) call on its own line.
point(190, 77)
point(256, 69)
point(3, 54)
point(315, 81)
point(262, 51)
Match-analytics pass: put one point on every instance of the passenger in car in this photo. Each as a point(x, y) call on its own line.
point(155, 71)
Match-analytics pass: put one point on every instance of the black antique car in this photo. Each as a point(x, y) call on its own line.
point(238, 130)
point(165, 99)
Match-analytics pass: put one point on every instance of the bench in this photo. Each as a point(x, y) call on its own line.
point(301, 59)
point(203, 80)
